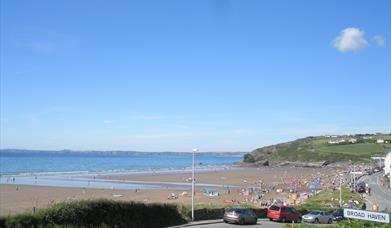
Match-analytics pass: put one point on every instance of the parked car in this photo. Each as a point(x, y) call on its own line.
point(369, 171)
point(338, 214)
point(240, 216)
point(360, 187)
point(283, 214)
point(377, 169)
point(318, 217)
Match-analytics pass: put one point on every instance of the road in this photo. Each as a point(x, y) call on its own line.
point(379, 194)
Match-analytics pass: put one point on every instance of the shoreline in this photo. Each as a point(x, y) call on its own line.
point(124, 172)
point(231, 187)
point(108, 180)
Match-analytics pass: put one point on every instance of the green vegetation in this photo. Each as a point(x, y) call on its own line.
point(328, 200)
point(320, 202)
point(357, 148)
point(303, 225)
point(109, 213)
point(99, 213)
point(359, 223)
point(343, 224)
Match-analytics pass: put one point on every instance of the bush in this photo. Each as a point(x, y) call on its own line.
point(359, 223)
point(100, 213)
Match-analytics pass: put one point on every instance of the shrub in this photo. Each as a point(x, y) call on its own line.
point(100, 213)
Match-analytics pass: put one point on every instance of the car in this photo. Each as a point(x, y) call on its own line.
point(318, 217)
point(338, 214)
point(283, 214)
point(240, 216)
point(377, 169)
point(360, 187)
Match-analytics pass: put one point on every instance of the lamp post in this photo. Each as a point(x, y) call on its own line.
point(340, 189)
point(192, 186)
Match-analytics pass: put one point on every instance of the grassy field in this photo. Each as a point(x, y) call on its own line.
point(385, 137)
point(360, 151)
point(318, 149)
point(329, 200)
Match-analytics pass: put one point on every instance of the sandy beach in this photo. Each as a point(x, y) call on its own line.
point(18, 198)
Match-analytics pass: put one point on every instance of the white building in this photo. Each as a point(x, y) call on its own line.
point(380, 141)
point(387, 161)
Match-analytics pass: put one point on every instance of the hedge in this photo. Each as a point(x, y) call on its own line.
point(99, 213)
point(110, 213)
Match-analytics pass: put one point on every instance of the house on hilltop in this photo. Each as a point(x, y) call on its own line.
point(380, 141)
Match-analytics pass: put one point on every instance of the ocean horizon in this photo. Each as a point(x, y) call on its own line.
point(49, 162)
point(86, 169)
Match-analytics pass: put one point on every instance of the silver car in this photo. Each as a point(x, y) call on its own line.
point(240, 216)
point(318, 217)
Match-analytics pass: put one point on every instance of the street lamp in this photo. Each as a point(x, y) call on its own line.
point(192, 186)
point(340, 189)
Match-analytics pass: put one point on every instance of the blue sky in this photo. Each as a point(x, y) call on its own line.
point(173, 75)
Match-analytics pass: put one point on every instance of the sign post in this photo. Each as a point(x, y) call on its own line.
point(366, 215)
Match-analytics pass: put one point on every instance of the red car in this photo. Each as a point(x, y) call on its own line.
point(283, 214)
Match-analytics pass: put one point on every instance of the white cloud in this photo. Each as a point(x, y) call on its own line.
point(379, 40)
point(350, 39)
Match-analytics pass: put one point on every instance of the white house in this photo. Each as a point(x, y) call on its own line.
point(387, 161)
point(380, 141)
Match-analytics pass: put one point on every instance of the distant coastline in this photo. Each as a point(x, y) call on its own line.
point(110, 152)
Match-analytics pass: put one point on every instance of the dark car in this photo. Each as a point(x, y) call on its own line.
point(283, 214)
point(338, 214)
point(360, 187)
point(240, 216)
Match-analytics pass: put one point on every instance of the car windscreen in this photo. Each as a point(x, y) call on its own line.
point(236, 210)
point(274, 208)
point(314, 213)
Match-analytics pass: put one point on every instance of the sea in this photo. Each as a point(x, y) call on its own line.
point(86, 169)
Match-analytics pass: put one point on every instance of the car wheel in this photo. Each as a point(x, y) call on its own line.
point(283, 220)
point(270, 219)
point(330, 221)
point(241, 221)
point(298, 220)
point(316, 220)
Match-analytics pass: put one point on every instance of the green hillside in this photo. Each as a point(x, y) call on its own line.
point(357, 148)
